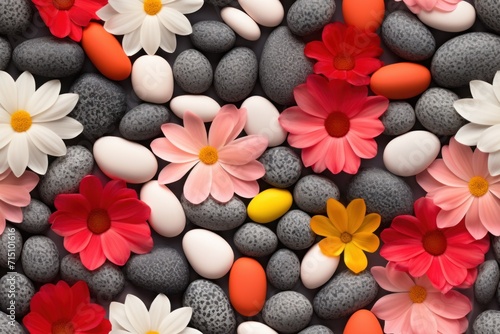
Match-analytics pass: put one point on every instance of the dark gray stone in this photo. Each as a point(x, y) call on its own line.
point(486, 282)
point(35, 217)
point(312, 191)
point(495, 245)
point(212, 36)
point(8, 326)
point(15, 16)
point(11, 242)
point(316, 329)
point(220, 3)
point(294, 230)
point(144, 121)
point(5, 53)
point(18, 288)
point(487, 322)
point(287, 312)
point(255, 240)
point(283, 166)
point(488, 12)
point(40, 259)
point(283, 269)
point(399, 118)
point(193, 71)
point(307, 16)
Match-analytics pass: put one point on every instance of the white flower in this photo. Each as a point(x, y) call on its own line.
point(33, 123)
point(483, 113)
point(132, 317)
point(148, 24)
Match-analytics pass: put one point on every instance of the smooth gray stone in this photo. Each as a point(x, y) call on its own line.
point(399, 118)
point(9, 325)
point(5, 53)
point(255, 240)
point(193, 71)
point(35, 217)
point(40, 259)
point(15, 16)
point(487, 322)
point(488, 12)
point(220, 3)
point(312, 191)
point(316, 329)
point(11, 245)
point(287, 312)
point(144, 121)
point(283, 166)
point(17, 288)
point(212, 36)
point(307, 16)
point(283, 269)
point(294, 230)
point(486, 283)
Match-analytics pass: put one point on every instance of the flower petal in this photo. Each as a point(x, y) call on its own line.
point(114, 247)
point(478, 111)
point(150, 34)
point(368, 242)
point(198, 184)
point(226, 126)
point(167, 151)
point(65, 128)
point(222, 188)
point(118, 318)
point(321, 225)
point(26, 87)
point(392, 306)
point(185, 6)
point(469, 134)
point(8, 93)
point(249, 172)
point(131, 42)
point(174, 172)
point(122, 24)
point(44, 97)
point(481, 90)
point(61, 107)
point(354, 258)
point(137, 314)
point(92, 256)
point(331, 246)
point(176, 321)
point(337, 214)
point(159, 310)
point(174, 21)
point(489, 141)
point(18, 153)
point(46, 140)
point(356, 210)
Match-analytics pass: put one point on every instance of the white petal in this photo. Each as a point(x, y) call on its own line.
point(159, 309)
point(130, 6)
point(176, 321)
point(44, 97)
point(185, 6)
point(494, 163)
point(4, 116)
point(490, 139)
point(26, 86)
point(150, 35)
point(478, 111)
point(8, 92)
point(469, 133)
point(38, 161)
point(46, 140)
point(63, 106)
point(121, 24)
point(496, 85)
point(137, 314)
point(118, 316)
point(18, 154)
point(6, 133)
point(168, 41)
point(189, 330)
point(66, 128)
point(4, 163)
point(106, 12)
point(175, 22)
point(131, 42)
point(481, 90)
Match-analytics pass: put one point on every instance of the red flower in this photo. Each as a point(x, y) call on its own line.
point(67, 17)
point(102, 223)
point(345, 53)
point(60, 309)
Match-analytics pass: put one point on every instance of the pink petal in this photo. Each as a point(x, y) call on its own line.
point(453, 217)
point(422, 320)
point(442, 174)
point(447, 6)
point(420, 264)
point(400, 324)
point(11, 213)
point(297, 121)
point(226, 126)
point(246, 189)
point(480, 164)
point(366, 128)
point(458, 159)
point(473, 222)
point(435, 275)
point(494, 188)
point(450, 198)
point(326, 93)
point(222, 185)
point(308, 139)
point(489, 211)
point(392, 306)
point(427, 182)
point(91, 188)
point(174, 172)
point(452, 325)
point(180, 138)
point(167, 151)
point(308, 103)
point(195, 126)
point(243, 150)
point(249, 172)
point(454, 275)
point(401, 251)
point(452, 305)
point(92, 256)
point(374, 107)
point(315, 156)
point(198, 184)
point(77, 242)
point(114, 247)
point(392, 280)
point(333, 153)
point(363, 148)
point(455, 254)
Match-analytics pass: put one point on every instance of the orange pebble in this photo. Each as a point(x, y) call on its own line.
point(364, 14)
point(247, 286)
point(400, 80)
point(363, 322)
point(105, 52)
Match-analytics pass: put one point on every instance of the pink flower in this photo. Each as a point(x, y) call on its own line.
point(334, 124)
point(461, 185)
point(221, 165)
point(416, 307)
point(448, 257)
point(444, 5)
point(15, 194)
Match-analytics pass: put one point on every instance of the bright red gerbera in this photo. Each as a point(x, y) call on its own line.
point(448, 256)
point(102, 223)
point(346, 53)
point(61, 309)
point(68, 17)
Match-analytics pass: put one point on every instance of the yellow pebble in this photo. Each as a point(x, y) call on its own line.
point(269, 205)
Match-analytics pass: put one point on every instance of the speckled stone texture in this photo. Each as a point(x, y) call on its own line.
point(283, 166)
point(10, 242)
point(5, 53)
point(383, 192)
point(101, 104)
point(312, 191)
point(294, 230)
point(164, 270)
point(405, 35)
point(40, 259)
point(35, 217)
point(193, 71)
point(345, 293)
point(144, 121)
point(212, 36)
point(307, 16)
point(316, 329)
point(435, 111)
point(495, 245)
point(17, 287)
point(486, 282)
point(255, 240)
point(220, 3)
point(287, 312)
point(15, 16)
point(65, 173)
point(7, 326)
point(398, 119)
point(488, 12)
point(236, 74)
point(283, 65)
point(471, 56)
point(212, 312)
point(283, 269)
point(487, 322)
point(214, 215)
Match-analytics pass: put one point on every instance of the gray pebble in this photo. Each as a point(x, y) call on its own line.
point(283, 269)
point(40, 259)
point(11, 244)
point(18, 288)
point(307, 16)
point(495, 244)
point(5, 53)
point(214, 215)
point(164, 270)
point(435, 111)
point(101, 104)
point(283, 166)
point(486, 282)
point(344, 294)
point(399, 118)
point(35, 217)
point(294, 230)
point(193, 71)
point(488, 12)
point(65, 173)
point(255, 240)
point(236, 74)
point(316, 329)
point(212, 36)
point(312, 191)
point(220, 3)
point(9, 325)
point(487, 322)
point(144, 121)
point(287, 312)
point(283, 65)
point(15, 16)
point(212, 312)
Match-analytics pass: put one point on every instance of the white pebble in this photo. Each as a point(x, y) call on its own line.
point(460, 19)
point(152, 79)
point(241, 23)
point(317, 268)
point(203, 106)
point(268, 13)
point(254, 327)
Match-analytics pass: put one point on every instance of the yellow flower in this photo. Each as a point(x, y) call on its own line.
point(347, 230)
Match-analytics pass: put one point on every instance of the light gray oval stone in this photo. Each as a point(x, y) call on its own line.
point(101, 104)
point(15, 16)
point(9, 325)
point(399, 118)
point(214, 215)
point(18, 288)
point(467, 57)
point(11, 245)
point(344, 294)
point(5, 53)
point(283, 269)
point(316, 329)
point(488, 12)
point(212, 36)
point(65, 173)
point(294, 230)
point(287, 312)
point(193, 71)
point(255, 240)
point(486, 282)
point(35, 217)
point(40, 259)
point(283, 166)
point(144, 121)
point(487, 322)
point(312, 191)
point(307, 16)
point(279, 75)
point(164, 270)
point(212, 312)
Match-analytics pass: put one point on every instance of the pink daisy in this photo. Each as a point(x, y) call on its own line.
point(444, 5)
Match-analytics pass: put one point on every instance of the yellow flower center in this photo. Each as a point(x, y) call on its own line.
point(478, 186)
point(20, 121)
point(152, 332)
point(62, 327)
point(208, 155)
point(152, 7)
point(337, 124)
point(98, 221)
point(343, 62)
point(434, 242)
point(63, 4)
point(345, 237)
point(418, 294)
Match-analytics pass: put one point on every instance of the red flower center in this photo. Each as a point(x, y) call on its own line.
point(98, 221)
point(343, 62)
point(62, 327)
point(434, 242)
point(63, 4)
point(337, 124)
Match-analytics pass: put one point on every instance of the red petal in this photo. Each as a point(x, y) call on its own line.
point(88, 317)
point(66, 226)
point(115, 247)
point(80, 16)
point(75, 205)
point(61, 24)
point(93, 257)
point(91, 189)
point(77, 242)
point(37, 323)
point(127, 208)
point(317, 50)
point(137, 235)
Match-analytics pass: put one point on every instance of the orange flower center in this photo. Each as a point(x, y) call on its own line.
point(208, 155)
point(152, 7)
point(62, 327)
point(434, 242)
point(478, 186)
point(345, 237)
point(418, 294)
point(337, 124)
point(343, 62)
point(98, 221)
point(152, 332)
point(63, 4)
point(20, 121)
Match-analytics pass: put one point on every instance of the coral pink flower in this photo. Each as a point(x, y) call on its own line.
point(222, 165)
point(334, 124)
point(448, 256)
point(444, 5)
point(461, 185)
point(345, 53)
point(15, 194)
point(416, 307)
point(102, 223)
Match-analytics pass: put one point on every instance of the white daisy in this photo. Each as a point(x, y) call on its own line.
point(483, 113)
point(33, 123)
point(132, 317)
point(148, 24)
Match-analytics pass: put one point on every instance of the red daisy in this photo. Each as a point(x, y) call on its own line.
point(102, 223)
point(346, 53)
